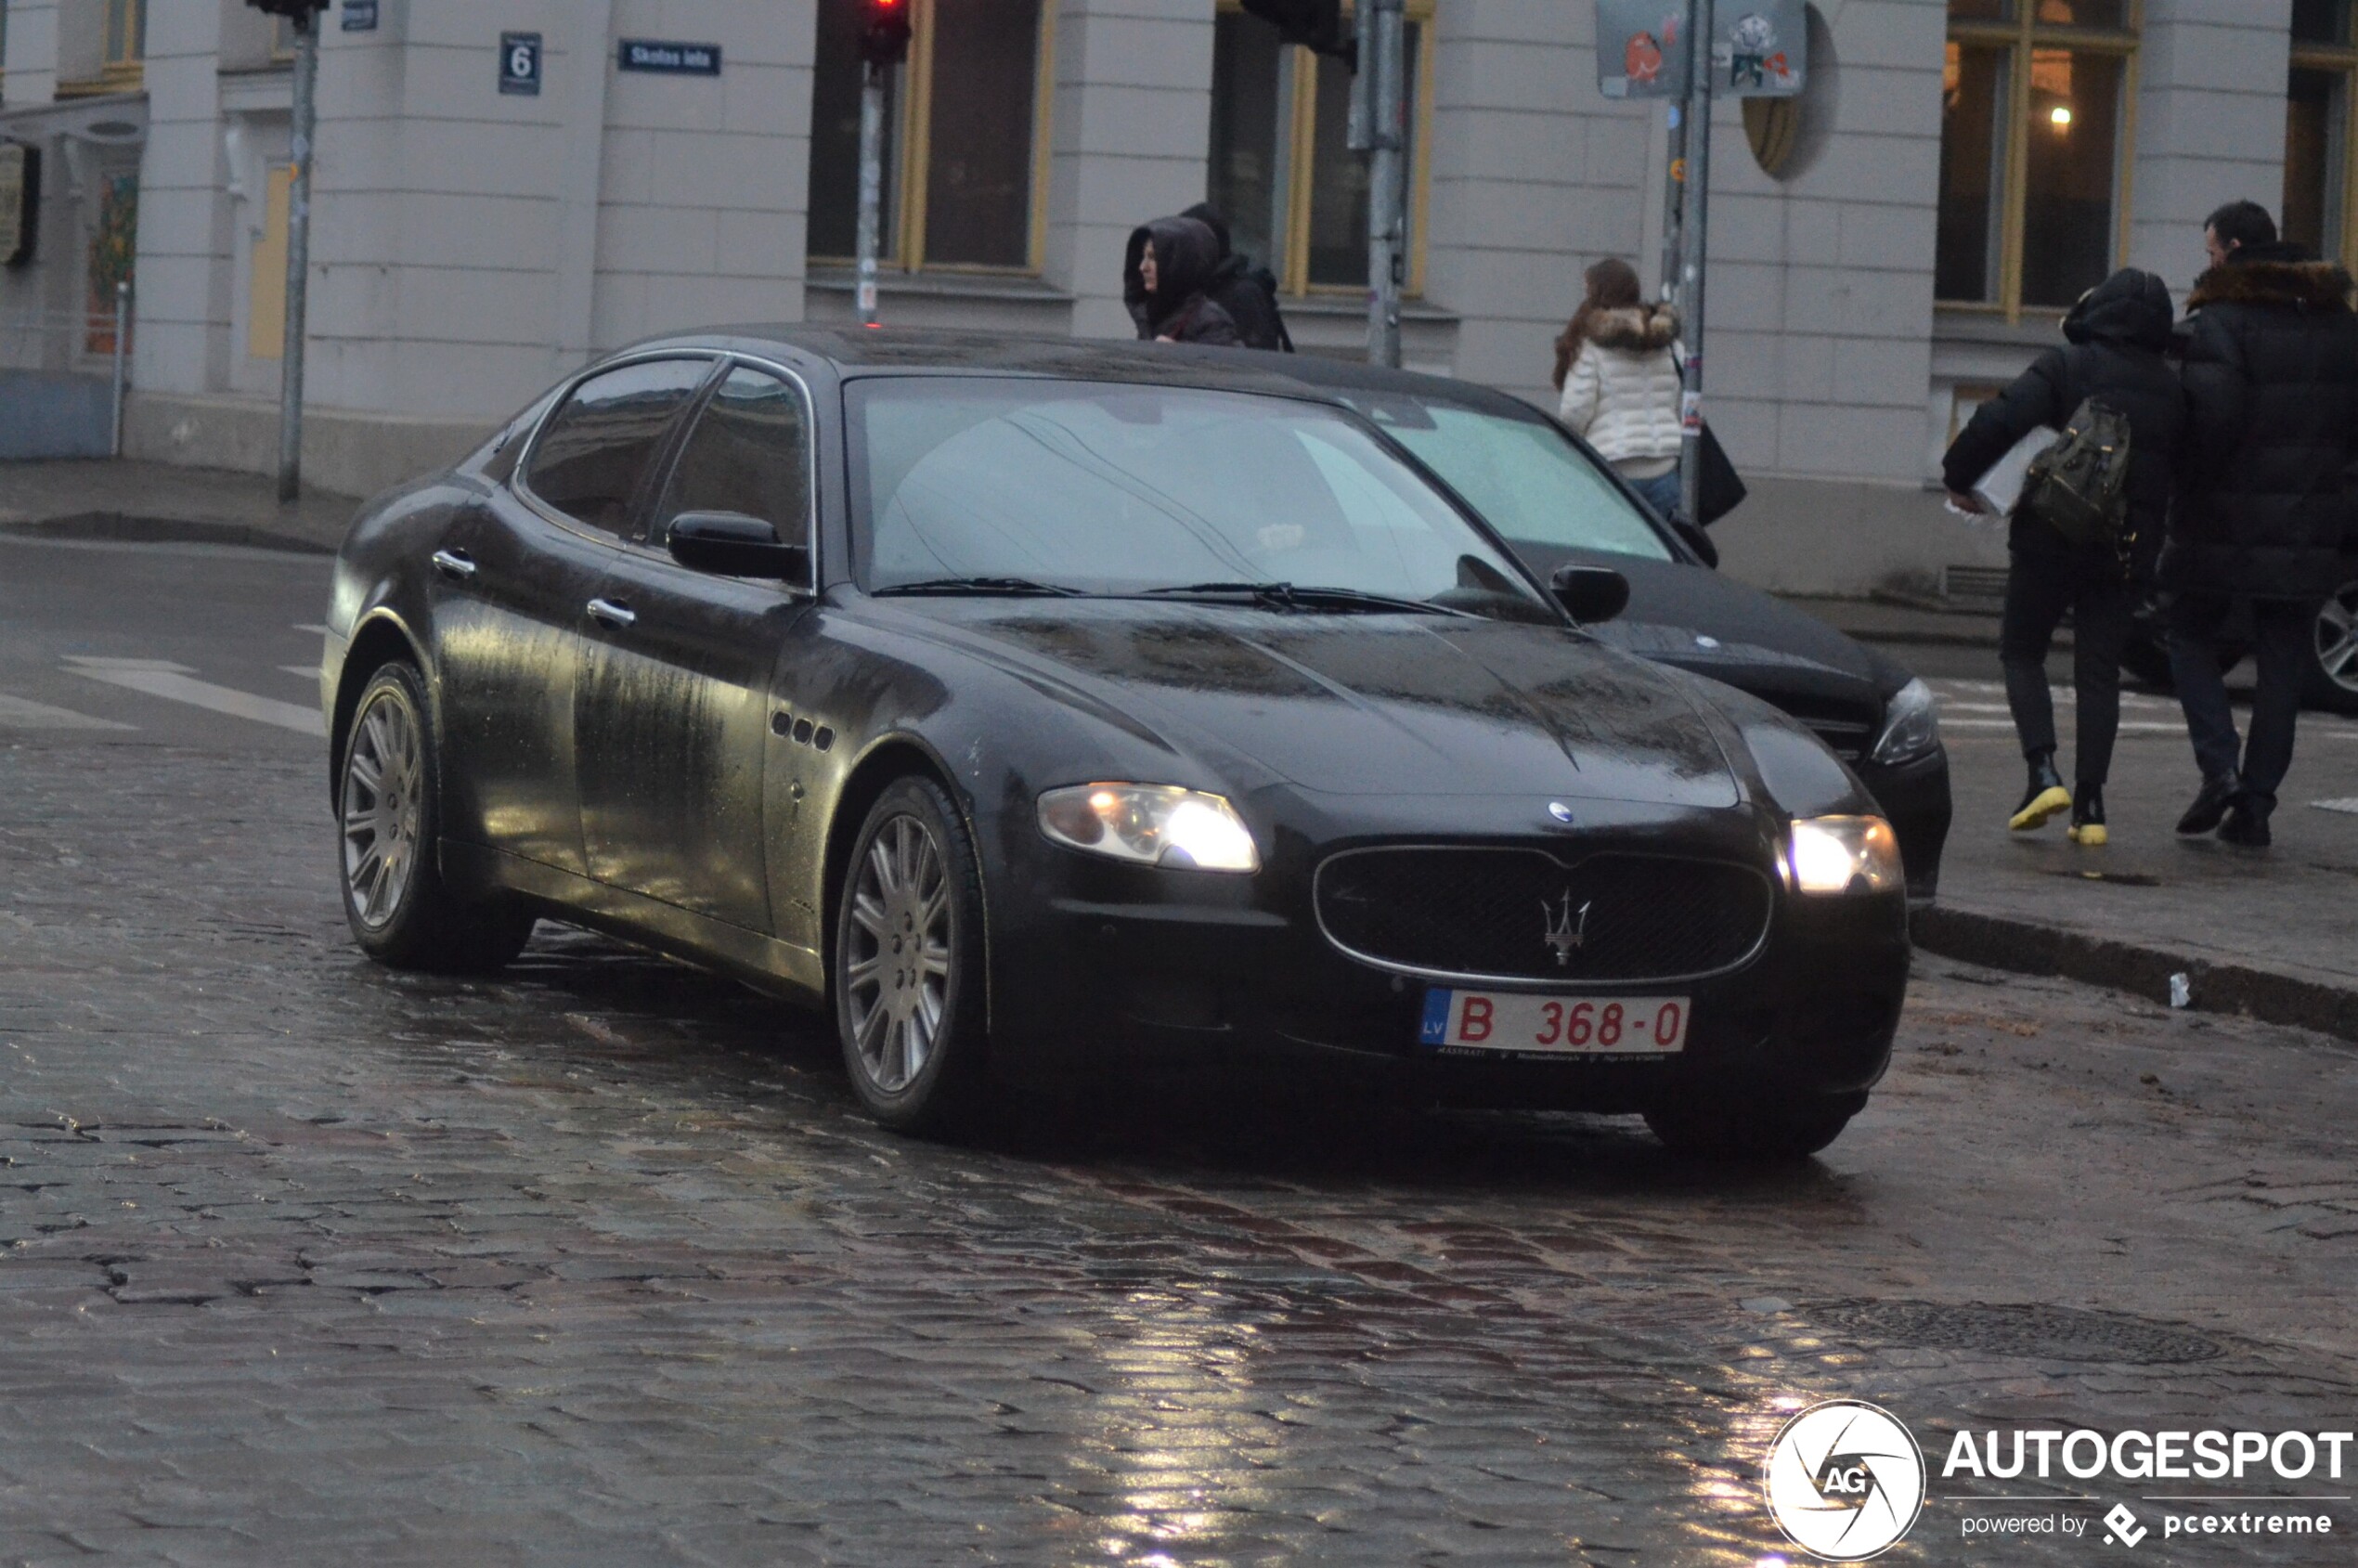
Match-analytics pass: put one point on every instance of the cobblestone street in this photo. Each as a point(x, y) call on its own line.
point(305, 1261)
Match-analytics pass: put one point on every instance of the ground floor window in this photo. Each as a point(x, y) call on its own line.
point(2317, 127)
point(965, 134)
point(1282, 172)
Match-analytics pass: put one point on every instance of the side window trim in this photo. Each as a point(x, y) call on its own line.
point(520, 477)
point(677, 448)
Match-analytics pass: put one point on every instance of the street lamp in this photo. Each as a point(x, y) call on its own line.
point(304, 15)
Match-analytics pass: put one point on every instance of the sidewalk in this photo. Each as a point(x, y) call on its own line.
point(106, 500)
point(2274, 934)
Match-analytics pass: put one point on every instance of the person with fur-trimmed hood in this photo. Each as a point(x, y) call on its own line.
point(1169, 265)
point(2264, 505)
point(1617, 367)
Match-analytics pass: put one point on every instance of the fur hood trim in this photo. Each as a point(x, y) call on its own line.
point(1637, 328)
point(2309, 285)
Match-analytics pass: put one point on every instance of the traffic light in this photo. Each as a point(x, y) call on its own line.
point(1315, 24)
point(884, 32)
point(300, 12)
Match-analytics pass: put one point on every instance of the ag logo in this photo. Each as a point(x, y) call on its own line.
point(1845, 1481)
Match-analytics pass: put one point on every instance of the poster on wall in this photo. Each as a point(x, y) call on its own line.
point(1761, 49)
point(20, 201)
point(1641, 48)
point(114, 246)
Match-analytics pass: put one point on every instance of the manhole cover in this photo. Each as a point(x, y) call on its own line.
point(2034, 1333)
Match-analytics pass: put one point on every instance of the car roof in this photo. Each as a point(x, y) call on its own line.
point(907, 351)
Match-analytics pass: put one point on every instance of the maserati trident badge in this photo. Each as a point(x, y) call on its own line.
point(1567, 927)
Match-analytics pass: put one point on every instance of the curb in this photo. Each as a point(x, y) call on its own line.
point(124, 528)
point(2027, 947)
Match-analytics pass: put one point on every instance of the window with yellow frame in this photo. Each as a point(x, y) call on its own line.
point(1294, 195)
point(2037, 121)
point(2317, 207)
point(127, 40)
point(967, 137)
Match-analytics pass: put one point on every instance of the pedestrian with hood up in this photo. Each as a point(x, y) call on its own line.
point(1617, 367)
point(2115, 341)
point(2271, 380)
point(1170, 263)
point(1249, 293)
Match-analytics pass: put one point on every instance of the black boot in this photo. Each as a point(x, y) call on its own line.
point(2247, 824)
point(2211, 805)
point(2088, 815)
point(2045, 796)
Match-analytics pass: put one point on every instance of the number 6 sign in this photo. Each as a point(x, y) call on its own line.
point(519, 63)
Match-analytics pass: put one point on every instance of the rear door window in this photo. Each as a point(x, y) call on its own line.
point(594, 456)
point(749, 453)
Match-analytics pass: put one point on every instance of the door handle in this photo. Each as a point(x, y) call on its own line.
point(454, 563)
point(607, 611)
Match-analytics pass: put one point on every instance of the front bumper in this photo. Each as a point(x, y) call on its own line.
point(1154, 973)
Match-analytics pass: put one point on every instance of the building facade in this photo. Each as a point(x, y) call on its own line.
point(1887, 249)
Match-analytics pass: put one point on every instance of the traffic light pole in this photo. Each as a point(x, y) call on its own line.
point(305, 117)
point(1383, 52)
point(1694, 247)
point(872, 111)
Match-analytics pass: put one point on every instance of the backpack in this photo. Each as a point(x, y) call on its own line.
point(2079, 485)
point(1249, 294)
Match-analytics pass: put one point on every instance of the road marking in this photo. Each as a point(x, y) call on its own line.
point(176, 682)
point(307, 626)
point(22, 713)
point(2128, 727)
point(302, 671)
point(2350, 805)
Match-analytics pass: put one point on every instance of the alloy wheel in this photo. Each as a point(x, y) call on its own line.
point(898, 974)
point(383, 805)
point(2338, 639)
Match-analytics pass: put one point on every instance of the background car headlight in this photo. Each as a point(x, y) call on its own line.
point(1911, 725)
point(1150, 825)
point(1843, 855)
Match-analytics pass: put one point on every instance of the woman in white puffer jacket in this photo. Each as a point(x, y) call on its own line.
point(1618, 366)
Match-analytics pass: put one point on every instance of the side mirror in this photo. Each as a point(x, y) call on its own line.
point(729, 544)
point(1593, 594)
point(1694, 538)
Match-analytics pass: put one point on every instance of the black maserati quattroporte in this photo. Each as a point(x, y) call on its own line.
point(1043, 708)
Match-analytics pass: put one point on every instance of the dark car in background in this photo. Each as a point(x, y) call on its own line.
point(1557, 504)
point(1051, 708)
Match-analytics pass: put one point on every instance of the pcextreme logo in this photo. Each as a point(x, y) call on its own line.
point(1845, 1480)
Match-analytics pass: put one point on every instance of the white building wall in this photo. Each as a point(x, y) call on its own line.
point(31, 63)
point(184, 230)
point(2211, 124)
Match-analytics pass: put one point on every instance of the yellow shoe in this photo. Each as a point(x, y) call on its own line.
point(2042, 803)
point(2089, 834)
point(2088, 817)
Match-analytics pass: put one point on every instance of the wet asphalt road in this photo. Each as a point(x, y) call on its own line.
point(303, 1262)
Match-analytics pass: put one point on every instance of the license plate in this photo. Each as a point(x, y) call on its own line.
point(1520, 1023)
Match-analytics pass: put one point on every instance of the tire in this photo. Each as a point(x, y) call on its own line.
point(388, 796)
point(2331, 681)
point(907, 973)
point(1763, 1130)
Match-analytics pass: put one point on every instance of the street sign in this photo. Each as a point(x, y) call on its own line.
point(20, 201)
point(360, 16)
point(1641, 48)
point(1760, 49)
point(520, 64)
point(669, 59)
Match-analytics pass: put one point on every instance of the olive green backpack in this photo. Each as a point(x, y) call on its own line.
point(2079, 485)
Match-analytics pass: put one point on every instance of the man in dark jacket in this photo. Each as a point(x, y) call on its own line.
point(2271, 383)
point(1169, 263)
point(1246, 292)
point(2115, 339)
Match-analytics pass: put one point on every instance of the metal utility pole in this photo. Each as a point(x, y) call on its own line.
point(305, 116)
point(1674, 193)
point(871, 107)
point(1383, 56)
point(1694, 247)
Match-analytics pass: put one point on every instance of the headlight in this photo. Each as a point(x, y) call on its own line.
point(1911, 725)
point(1150, 825)
point(1843, 855)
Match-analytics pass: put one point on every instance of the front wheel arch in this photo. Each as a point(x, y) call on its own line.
point(381, 640)
point(886, 763)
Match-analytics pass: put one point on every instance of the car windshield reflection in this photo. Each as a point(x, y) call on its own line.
point(982, 484)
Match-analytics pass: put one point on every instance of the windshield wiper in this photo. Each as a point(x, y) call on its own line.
point(996, 587)
point(1295, 596)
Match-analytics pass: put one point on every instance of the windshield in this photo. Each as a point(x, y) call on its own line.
point(1524, 477)
point(1118, 490)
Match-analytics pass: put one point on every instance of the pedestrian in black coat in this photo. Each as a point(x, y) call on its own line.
point(2115, 339)
point(1248, 293)
point(1170, 264)
point(2272, 379)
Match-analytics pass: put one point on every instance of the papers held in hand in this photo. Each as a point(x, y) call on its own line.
point(2002, 487)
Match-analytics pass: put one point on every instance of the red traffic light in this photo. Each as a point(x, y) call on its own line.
point(884, 32)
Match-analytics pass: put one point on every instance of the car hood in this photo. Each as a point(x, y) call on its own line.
point(1693, 618)
point(1366, 704)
